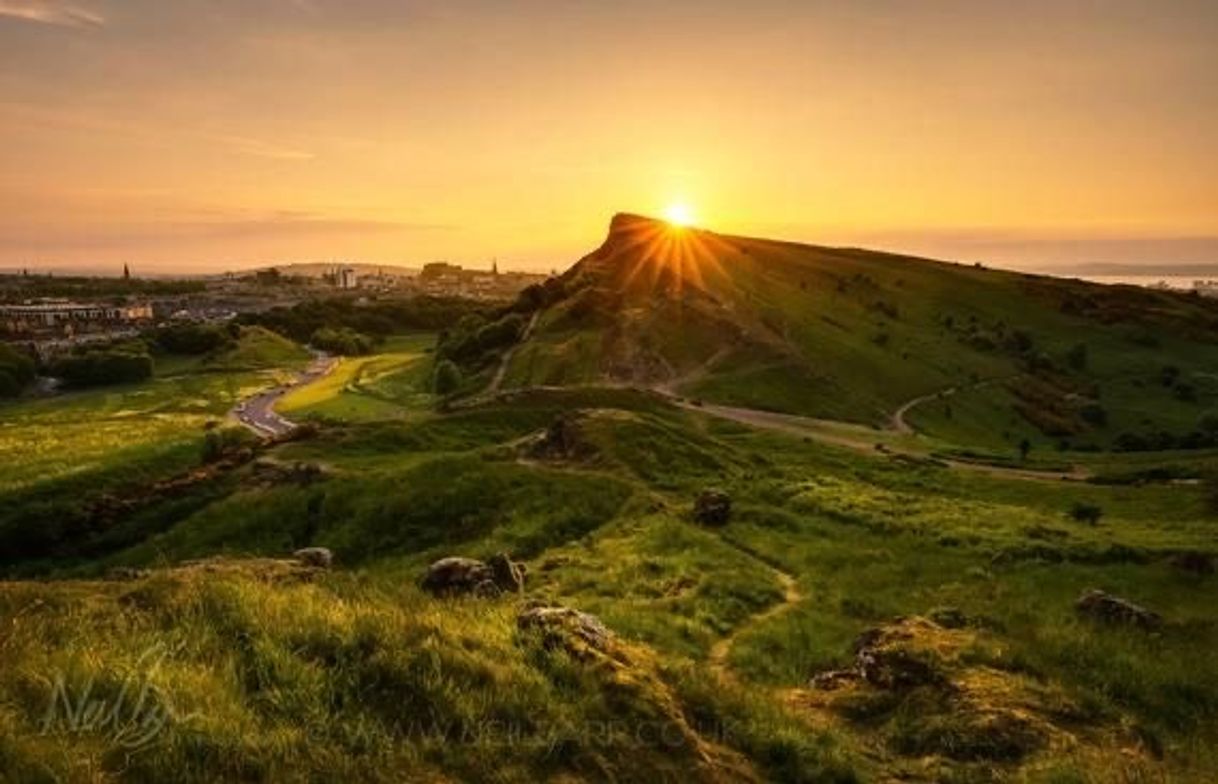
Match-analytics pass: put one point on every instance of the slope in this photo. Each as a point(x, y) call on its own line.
point(856, 335)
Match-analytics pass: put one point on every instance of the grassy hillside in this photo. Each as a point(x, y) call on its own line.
point(272, 672)
point(393, 383)
point(855, 335)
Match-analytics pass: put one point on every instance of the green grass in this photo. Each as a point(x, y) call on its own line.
point(393, 383)
point(853, 335)
point(270, 675)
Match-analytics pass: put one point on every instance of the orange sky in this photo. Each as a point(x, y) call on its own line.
point(206, 134)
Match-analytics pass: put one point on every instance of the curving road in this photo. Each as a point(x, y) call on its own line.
point(258, 412)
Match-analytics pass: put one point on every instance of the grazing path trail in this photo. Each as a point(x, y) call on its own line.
point(721, 651)
point(862, 439)
point(501, 371)
point(258, 412)
point(898, 422)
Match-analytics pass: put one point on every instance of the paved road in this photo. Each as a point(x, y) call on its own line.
point(258, 412)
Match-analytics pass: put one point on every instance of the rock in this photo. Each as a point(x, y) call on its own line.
point(896, 657)
point(563, 440)
point(713, 507)
point(127, 573)
point(1105, 607)
point(1193, 562)
point(507, 576)
point(456, 576)
point(834, 679)
point(563, 626)
point(319, 557)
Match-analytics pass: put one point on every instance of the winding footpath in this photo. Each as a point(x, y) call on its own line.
point(862, 439)
point(506, 359)
point(720, 653)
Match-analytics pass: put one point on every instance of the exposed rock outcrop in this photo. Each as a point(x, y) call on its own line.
point(457, 576)
point(1106, 608)
point(576, 631)
point(316, 557)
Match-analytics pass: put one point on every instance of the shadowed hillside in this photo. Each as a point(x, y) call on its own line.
point(860, 335)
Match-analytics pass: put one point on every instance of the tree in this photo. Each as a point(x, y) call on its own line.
point(1025, 446)
point(447, 377)
point(1086, 513)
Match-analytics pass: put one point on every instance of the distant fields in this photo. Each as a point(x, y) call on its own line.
point(79, 432)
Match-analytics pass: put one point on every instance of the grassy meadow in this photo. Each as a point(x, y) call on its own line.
point(265, 671)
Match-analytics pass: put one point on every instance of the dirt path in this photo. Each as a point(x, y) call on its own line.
point(721, 651)
point(898, 423)
point(862, 439)
point(501, 371)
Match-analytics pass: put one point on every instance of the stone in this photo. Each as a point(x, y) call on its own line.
point(507, 576)
point(317, 557)
point(572, 629)
point(455, 576)
point(713, 507)
point(1106, 608)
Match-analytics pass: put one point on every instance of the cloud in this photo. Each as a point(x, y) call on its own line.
point(51, 12)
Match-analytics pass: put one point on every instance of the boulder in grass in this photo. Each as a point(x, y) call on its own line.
point(713, 507)
point(457, 576)
point(1106, 608)
point(316, 557)
point(578, 632)
point(507, 575)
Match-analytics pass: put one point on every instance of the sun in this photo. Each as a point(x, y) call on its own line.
point(679, 214)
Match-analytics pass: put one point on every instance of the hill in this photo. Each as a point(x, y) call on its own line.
point(972, 355)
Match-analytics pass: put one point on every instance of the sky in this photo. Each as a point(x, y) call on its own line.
point(190, 135)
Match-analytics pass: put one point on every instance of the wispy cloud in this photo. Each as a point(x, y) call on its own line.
point(51, 12)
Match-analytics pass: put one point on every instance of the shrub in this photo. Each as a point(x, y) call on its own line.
point(447, 377)
point(193, 339)
point(102, 367)
point(16, 371)
point(219, 443)
point(1086, 513)
point(342, 340)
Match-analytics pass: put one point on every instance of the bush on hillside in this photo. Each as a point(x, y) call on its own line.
point(101, 367)
point(447, 378)
point(16, 371)
point(1086, 513)
point(342, 340)
point(195, 339)
point(467, 343)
